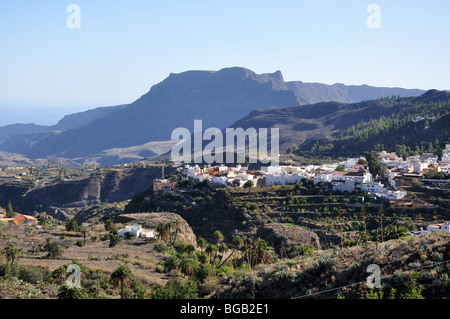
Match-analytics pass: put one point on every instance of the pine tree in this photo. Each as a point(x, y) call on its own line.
point(10, 213)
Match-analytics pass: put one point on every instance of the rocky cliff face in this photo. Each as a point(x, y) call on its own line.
point(281, 235)
point(110, 186)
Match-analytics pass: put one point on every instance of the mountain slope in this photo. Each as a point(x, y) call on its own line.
point(218, 98)
point(339, 128)
point(70, 121)
point(317, 92)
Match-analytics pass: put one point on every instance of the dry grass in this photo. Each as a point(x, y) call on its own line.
point(139, 254)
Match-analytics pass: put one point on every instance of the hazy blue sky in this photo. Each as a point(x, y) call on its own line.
point(125, 47)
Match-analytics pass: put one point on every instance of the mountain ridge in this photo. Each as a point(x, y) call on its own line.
point(219, 98)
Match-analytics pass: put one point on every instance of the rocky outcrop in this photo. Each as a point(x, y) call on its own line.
point(288, 235)
point(110, 186)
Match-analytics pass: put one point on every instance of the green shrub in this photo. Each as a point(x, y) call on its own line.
point(114, 240)
point(33, 274)
point(79, 243)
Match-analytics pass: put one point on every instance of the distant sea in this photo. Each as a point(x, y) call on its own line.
point(42, 113)
point(36, 115)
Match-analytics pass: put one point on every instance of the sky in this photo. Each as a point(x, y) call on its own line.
point(122, 48)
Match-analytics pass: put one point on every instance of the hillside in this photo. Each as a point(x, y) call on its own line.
point(114, 185)
point(338, 128)
point(61, 198)
point(67, 122)
point(317, 92)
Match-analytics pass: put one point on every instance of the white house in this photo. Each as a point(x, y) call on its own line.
point(392, 195)
point(283, 179)
point(446, 153)
point(444, 167)
point(137, 231)
point(419, 166)
point(197, 177)
point(218, 180)
point(347, 185)
point(270, 169)
point(359, 177)
point(445, 227)
point(373, 187)
point(349, 162)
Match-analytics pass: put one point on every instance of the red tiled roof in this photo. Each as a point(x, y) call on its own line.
point(19, 218)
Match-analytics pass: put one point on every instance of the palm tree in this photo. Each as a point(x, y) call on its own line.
point(169, 230)
point(121, 275)
point(48, 244)
point(65, 292)
point(190, 248)
point(237, 243)
point(162, 230)
point(55, 251)
point(210, 250)
point(84, 232)
point(218, 238)
point(176, 224)
point(223, 249)
point(202, 243)
point(188, 266)
point(203, 257)
point(260, 252)
point(171, 264)
point(109, 225)
point(59, 273)
point(11, 253)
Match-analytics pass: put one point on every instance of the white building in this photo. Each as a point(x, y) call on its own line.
point(444, 167)
point(197, 177)
point(347, 185)
point(373, 187)
point(393, 163)
point(392, 195)
point(137, 231)
point(446, 153)
point(445, 227)
point(419, 166)
point(283, 179)
point(349, 162)
point(218, 180)
point(270, 169)
point(359, 177)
